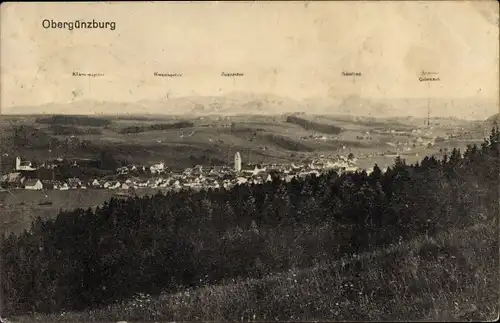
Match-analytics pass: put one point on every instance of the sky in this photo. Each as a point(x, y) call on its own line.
point(292, 49)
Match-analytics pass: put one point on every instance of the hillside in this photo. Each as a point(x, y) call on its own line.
point(494, 118)
point(185, 141)
point(351, 288)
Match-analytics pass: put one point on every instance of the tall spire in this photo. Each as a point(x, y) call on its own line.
point(237, 162)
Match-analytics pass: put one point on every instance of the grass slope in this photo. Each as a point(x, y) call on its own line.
point(453, 277)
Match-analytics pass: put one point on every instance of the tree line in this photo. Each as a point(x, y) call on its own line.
point(74, 120)
point(314, 126)
point(172, 241)
point(157, 127)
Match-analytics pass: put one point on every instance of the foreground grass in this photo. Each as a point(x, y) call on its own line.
point(452, 277)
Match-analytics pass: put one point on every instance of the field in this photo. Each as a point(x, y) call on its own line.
point(20, 206)
point(453, 277)
point(203, 140)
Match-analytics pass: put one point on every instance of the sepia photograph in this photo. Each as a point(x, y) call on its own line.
point(249, 161)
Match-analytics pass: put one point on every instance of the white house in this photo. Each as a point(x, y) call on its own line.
point(142, 183)
point(176, 184)
point(305, 174)
point(95, 184)
point(122, 170)
point(33, 184)
point(157, 168)
point(158, 181)
point(112, 185)
point(258, 170)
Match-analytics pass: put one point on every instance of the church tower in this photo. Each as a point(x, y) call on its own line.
point(237, 162)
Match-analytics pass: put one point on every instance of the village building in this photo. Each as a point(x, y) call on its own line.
point(214, 172)
point(308, 173)
point(197, 170)
point(141, 183)
point(258, 169)
point(157, 168)
point(241, 180)
point(33, 184)
point(13, 179)
point(226, 184)
point(176, 184)
point(112, 185)
point(23, 165)
point(96, 184)
point(264, 177)
point(74, 183)
point(122, 171)
point(350, 169)
point(163, 184)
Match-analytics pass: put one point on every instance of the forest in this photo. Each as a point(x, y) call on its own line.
point(176, 241)
point(315, 126)
point(157, 127)
point(74, 120)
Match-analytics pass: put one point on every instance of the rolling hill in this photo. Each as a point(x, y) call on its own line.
point(494, 118)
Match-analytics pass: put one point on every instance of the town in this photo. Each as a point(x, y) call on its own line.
point(125, 178)
point(131, 177)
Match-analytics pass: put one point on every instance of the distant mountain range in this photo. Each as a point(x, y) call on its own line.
point(248, 103)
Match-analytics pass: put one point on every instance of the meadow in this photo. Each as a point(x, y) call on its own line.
point(452, 277)
point(20, 207)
